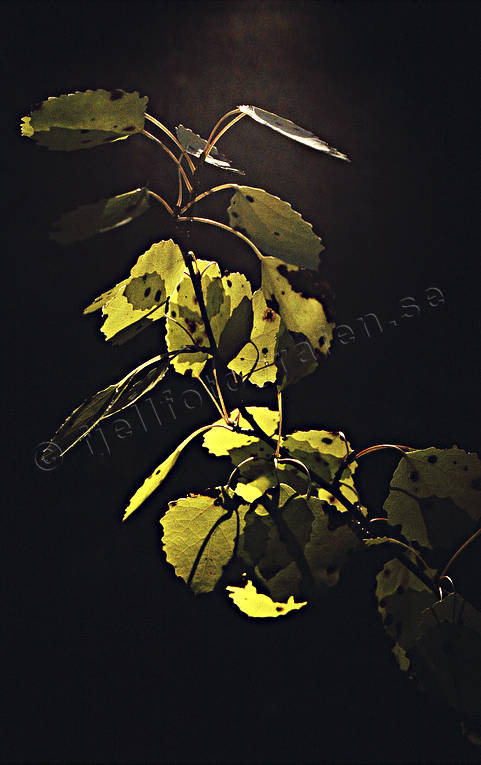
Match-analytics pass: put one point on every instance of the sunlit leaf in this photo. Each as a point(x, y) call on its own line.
point(299, 312)
point(200, 535)
point(289, 129)
point(109, 401)
point(435, 495)
point(292, 544)
point(260, 353)
point(82, 120)
point(143, 294)
point(274, 227)
point(159, 475)
point(195, 145)
point(228, 304)
point(101, 216)
point(260, 606)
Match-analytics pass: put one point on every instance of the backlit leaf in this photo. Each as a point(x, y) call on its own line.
point(195, 145)
point(274, 227)
point(159, 475)
point(101, 216)
point(228, 305)
point(289, 129)
point(82, 120)
point(295, 357)
point(143, 294)
point(435, 495)
point(299, 312)
point(260, 606)
point(109, 401)
point(200, 535)
point(292, 544)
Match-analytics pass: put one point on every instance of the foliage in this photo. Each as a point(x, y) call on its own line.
point(277, 534)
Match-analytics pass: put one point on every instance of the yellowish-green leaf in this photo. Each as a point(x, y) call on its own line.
point(299, 312)
point(104, 215)
point(160, 474)
point(109, 401)
point(291, 545)
point(195, 145)
point(200, 535)
point(435, 495)
point(290, 130)
point(82, 120)
point(260, 353)
point(260, 606)
point(274, 227)
point(143, 294)
point(295, 357)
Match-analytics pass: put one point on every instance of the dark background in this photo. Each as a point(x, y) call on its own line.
point(107, 656)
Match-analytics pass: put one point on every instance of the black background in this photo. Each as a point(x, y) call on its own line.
point(107, 656)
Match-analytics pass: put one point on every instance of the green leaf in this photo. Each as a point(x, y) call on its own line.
point(260, 606)
point(82, 120)
point(260, 353)
point(446, 659)
point(292, 544)
point(200, 535)
point(104, 215)
point(160, 474)
point(295, 357)
point(290, 130)
point(274, 227)
point(228, 305)
point(435, 495)
point(195, 145)
point(109, 401)
point(299, 312)
point(401, 598)
point(143, 294)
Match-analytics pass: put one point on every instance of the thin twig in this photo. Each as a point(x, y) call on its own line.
point(207, 194)
point(174, 139)
point(226, 228)
point(171, 155)
point(161, 200)
point(458, 552)
point(210, 144)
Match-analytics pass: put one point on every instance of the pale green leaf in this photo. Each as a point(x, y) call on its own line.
point(290, 130)
point(109, 401)
point(200, 536)
point(260, 353)
point(104, 215)
point(228, 304)
point(299, 312)
point(274, 227)
point(292, 544)
point(435, 495)
point(193, 144)
point(260, 606)
point(160, 474)
point(143, 294)
point(82, 120)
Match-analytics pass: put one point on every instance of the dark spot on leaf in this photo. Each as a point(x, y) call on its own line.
point(264, 351)
point(279, 608)
point(116, 94)
point(84, 131)
point(432, 459)
point(178, 287)
point(332, 498)
point(157, 296)
point(147, 292)
point(272, 303)
point(242, 358)
point(240, 230)
point(157, 472)
point(283, 292)
point(387, 572)
point(173, 314)
point(327, 440)
point(191, 325)
point(321, 341)
point(249, 198)
point(234, 215)
point(268, 315)
point(229, 283)
point(414, 475)
point(276, 233)
point(128, 129)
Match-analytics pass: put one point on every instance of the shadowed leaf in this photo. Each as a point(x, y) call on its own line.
point(195, 145)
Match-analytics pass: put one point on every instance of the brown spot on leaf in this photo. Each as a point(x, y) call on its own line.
point(268, 315)
point(432, 459)
point(249, 198)
point(327, 440)
point(414, 475)
point(128, 129)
